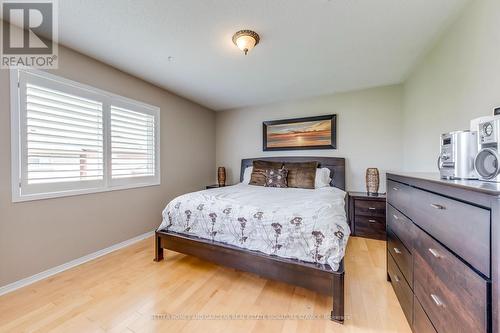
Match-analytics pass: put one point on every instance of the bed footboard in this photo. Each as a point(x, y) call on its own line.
point(316, 277)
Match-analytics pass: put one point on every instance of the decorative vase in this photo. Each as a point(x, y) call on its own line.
point(372, 181)
point(221, 176)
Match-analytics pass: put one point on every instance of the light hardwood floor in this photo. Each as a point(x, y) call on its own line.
point(122, 291)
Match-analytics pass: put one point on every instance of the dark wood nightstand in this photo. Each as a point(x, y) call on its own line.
point(367, 215)
point(214, 186)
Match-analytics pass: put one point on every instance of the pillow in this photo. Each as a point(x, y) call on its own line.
point(247, 174)
point(322, 178)
point(259, 171)
point(276, 178)
point(301, 175)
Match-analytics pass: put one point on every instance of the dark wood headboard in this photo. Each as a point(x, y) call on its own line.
point(335, 164)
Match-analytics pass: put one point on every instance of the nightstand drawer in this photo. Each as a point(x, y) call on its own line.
point(369, 208)
point(367, 215)
point(369, 226)
point(208, 187)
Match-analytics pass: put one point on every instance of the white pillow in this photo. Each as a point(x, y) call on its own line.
point(247, 174)
point(322, 178)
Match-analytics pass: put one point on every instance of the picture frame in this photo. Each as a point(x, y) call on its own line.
point(307, 133)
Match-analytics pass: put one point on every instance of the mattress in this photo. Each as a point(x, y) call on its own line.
point(307, 225)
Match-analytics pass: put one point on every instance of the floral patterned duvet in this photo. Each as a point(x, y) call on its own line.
point(308, 225)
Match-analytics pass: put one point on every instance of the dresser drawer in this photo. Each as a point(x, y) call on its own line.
point(369, 226)
point(401, 256)
point(463, 228)
point(369, 208)
point(399, 195)
point(421, 323)
point(401, 226)
point(452, 294)
point(401, 288)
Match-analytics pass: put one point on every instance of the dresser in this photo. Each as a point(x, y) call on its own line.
point(367, 215)
point(443, 252)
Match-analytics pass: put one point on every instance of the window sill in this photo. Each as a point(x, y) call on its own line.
point(16, 197)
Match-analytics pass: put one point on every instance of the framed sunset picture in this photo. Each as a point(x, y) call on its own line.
point(301, 133)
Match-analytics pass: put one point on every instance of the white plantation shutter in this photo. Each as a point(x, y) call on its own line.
point(64, 137)
point(132, 143)
point(70, 139)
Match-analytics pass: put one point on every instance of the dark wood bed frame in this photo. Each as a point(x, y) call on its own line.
point(317, 277)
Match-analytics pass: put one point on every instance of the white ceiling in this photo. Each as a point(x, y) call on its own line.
point(307, 48)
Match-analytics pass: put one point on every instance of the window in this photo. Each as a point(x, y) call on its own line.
point(68, 139)
point(132, 143)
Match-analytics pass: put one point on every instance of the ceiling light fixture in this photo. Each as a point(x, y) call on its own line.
point(246, 40)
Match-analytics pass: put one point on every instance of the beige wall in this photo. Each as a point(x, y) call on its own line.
point(38, 235)
point(369, 133)
point(457, 81)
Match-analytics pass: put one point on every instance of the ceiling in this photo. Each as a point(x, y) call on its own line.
point(307, 48)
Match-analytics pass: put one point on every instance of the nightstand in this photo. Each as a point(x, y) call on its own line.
point(367, 215)
point(214, 186)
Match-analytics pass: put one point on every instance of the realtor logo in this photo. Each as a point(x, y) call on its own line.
point(29, 34)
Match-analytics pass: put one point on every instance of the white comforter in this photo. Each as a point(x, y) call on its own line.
point(308, 225)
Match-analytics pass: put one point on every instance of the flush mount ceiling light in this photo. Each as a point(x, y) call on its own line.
point(246, 40)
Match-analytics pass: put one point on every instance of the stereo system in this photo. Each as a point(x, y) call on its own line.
point(458, 150)
point(472, 154)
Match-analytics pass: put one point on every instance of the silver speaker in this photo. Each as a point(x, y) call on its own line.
point(456, 159)
point(487, 161)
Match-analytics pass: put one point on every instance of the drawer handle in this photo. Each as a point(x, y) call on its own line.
point(395, 216)
point(372, 208)
point(438, 206)
point(372, 221)
point(395, 189)
point(434, 253)
point(396, 278)
point(437, 300)
point(398, 251)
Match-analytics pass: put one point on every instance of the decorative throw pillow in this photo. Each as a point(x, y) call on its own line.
point(276, 178)
point(302, 174)
point(259, 171)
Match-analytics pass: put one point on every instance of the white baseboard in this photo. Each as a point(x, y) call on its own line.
point(58, 269)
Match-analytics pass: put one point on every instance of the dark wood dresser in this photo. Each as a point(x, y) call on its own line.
point(367, 215)
point(443, 252)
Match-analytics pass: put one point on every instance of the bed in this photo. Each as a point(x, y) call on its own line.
point(296, 236)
